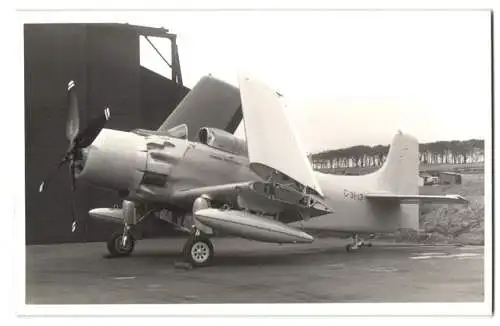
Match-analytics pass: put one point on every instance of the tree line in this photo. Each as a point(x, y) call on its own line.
point(440, 152)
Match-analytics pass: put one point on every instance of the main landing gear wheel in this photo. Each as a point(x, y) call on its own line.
point(350, 247)
point(357, 243)
point(199, 251)
point(116, 246)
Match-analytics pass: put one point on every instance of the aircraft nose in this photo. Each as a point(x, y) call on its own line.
point(114, 160)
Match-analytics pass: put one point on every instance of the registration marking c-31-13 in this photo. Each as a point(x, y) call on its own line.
point(353, 195)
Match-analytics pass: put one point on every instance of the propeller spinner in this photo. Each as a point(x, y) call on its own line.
point(78, 141)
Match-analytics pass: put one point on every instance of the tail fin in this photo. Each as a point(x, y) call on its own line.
point(397, 182)
point(399, 174)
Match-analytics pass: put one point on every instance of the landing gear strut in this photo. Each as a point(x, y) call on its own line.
point(198, 249)
point(120, 245)
point(357, 243)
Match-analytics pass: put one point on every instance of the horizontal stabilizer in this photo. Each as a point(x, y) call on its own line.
point(430, 199)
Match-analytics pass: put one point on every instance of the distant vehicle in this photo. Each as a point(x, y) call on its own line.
point(431, 180)
point(428, 178)
point(448, 178)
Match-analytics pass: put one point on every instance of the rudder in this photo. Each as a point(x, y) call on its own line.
point(399, 173)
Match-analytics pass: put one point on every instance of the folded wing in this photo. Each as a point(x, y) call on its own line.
point(211, 103)
point(273, 148)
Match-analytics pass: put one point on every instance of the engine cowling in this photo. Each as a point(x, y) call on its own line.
point(222, 140)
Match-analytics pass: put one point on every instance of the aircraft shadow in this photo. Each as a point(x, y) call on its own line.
point(276, 258)
point(245, 258)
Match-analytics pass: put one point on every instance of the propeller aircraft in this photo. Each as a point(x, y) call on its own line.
point(259, 188)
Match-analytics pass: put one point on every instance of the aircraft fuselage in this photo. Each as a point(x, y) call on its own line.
point(152, 168)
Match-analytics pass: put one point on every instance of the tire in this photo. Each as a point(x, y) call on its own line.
point(369, 244)
point(199, 251)
point(115, 247)
point(348, 247)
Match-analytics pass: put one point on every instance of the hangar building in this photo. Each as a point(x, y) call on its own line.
point(104, 61)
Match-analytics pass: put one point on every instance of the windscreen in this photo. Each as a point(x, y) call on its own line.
point(180, 131)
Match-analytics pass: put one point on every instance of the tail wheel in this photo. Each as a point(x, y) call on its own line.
point(116, 246)
point(199, 251)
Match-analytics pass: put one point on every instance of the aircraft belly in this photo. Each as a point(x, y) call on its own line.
point(358, 221)
point(353, 212)
point(251, 226)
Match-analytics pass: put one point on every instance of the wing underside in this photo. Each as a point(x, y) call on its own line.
point(211, 103)
point(273, 198)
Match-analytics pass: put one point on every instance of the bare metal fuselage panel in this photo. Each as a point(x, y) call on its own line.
point(173, 171)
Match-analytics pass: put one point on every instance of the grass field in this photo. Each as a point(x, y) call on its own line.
point(455, 223)
point(446, 223)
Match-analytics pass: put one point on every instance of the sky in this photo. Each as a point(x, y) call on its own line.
point(349, 77)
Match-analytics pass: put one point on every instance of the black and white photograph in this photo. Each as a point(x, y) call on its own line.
point(175, 158)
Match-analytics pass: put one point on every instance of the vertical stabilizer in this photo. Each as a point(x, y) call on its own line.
point(397, 183)
point(399, 174)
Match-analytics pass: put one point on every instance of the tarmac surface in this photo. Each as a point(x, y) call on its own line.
point(252, 272)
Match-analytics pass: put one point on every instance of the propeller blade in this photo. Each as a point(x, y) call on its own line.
point(89, 134)
point(72, 176)
point(73, 188)
point(73, 122)
point(44, 183)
